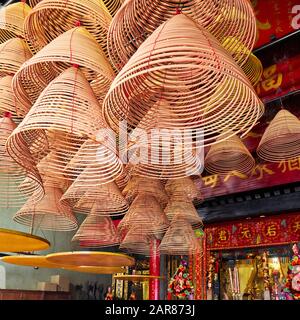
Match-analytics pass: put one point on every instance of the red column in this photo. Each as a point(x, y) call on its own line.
point(154, 270)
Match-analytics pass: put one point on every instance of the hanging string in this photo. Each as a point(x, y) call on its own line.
point(76, 66)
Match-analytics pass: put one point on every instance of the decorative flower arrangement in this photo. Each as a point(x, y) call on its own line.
point(292, 286)
point(181, 285)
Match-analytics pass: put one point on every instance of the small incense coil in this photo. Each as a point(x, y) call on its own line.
point(179, 239)
point(184, 186)
point(179, 76)
point(281, 139)
point(64, 108)
point(105, 199)
point(50, 18)
point(138, 185)
point(137, 19)
point(13, 53)
point(146, 211)
point(49, 213)
point(12, 20)
point(75, 47)
point(12, 175)
point(179, 207)
point(137, 241)
point(229, 155)
point(97, 231)
point(8, 103)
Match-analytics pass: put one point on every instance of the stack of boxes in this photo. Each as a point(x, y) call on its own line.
point(57, 283)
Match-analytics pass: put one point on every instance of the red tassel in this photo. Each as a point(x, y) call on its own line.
point(77, 23)
point(178, 11)
point(7, 114)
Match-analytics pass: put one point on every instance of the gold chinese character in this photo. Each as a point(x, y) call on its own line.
point(210, 180)
point(296, 226)
point(290, 165)
point(271, 231)
point(245, 233)
point(235, 173)
point(270, 71)
point(272, 83)
point(260, 170)
point(222, 235)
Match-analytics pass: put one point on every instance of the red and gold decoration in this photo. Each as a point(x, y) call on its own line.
point(277, 230)
point(263, 175)
point(279, 79)
point(274, 19)
point(181, 285)
point(292, 288)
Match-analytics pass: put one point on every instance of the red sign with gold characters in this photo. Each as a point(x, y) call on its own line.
point(275, 230)
point(279, 79)
point(275, 18)
point(262, 176)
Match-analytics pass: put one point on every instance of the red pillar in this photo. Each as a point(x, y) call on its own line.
point(154, 270)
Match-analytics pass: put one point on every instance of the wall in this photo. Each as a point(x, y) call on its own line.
point(26, 278)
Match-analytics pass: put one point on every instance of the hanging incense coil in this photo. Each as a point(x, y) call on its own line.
point(13, 53)
point(33, 3)
point(179, 239)
point(95, 160)
point(281, 140)
point(137, 241)
point(12, 175)
point(159, 150)
point(8, 103)
point(141, 185)
point(74, 47)
point(253, 69)
point(191, 166)
point(179, 207)
point(184, 186)
point(113, 6)
point(226, 20)
point(50, 18)
point(146, 211)
point(49, 213)
point(229, 155)
point(105, 199)
point(123, 179)
point(97, 231)
point(65, 108)
point(178, 81)
point(12, 20)
point(57, 180)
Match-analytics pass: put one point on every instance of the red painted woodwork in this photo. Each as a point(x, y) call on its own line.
point(154, 270)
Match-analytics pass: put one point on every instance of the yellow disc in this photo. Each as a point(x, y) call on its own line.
point(91, 259)
point(30, 261)
point(15, 241)
point(97, 270)
point(136, 277)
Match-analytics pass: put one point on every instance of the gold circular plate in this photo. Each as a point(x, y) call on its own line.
point(136, 277)
point(15, 241)
point(91, 259)
point(31, 261)
point(97, 270)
